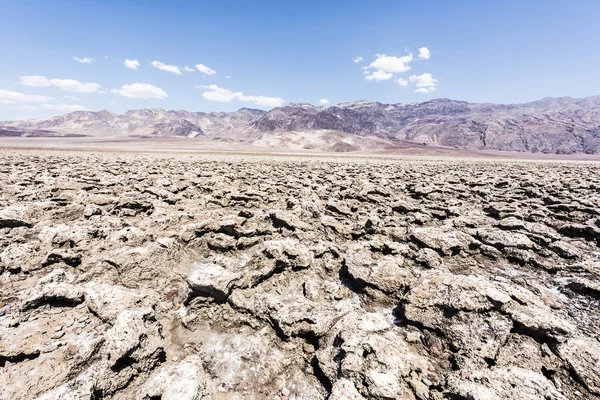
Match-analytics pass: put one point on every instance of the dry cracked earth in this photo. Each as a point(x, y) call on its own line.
point(141, 276)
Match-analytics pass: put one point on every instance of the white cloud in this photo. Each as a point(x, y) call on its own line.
point(71, 97)
point(216, 93)
point(227, 77)
point(205, 70)
point(379, 76)
point(357, 60)
point(424, 80)
point(425, 90)
point(141, 91)
point(392, 64)
point(188, 69)
point(424, 53)
point(7, 97)
point(84, 60)
point(402, 82)
point(132, 64)
point(71, 85)
point(164, 67)
point(64, 107)
point(35, 81)
point(324, 101)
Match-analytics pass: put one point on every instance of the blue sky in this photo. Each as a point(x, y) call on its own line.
point(264, 53)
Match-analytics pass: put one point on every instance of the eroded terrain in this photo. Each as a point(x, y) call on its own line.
point(192, 277)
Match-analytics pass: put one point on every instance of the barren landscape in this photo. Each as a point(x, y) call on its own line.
point(213, 276)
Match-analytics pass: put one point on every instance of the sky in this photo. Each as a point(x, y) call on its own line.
point(61, 56)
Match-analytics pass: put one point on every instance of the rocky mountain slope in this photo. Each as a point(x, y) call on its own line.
point(145, 122)
point(552, 125)
point(178, 278)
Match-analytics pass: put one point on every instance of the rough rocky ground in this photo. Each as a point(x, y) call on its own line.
point(179, 277)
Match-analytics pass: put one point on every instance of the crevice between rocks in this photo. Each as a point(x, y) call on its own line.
point(18, 358)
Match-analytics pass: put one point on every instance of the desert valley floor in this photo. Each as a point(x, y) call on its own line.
point(206, 276)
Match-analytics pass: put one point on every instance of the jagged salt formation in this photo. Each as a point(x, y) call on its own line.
point(173, 277)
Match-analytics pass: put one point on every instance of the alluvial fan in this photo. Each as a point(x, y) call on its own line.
point(177, 277)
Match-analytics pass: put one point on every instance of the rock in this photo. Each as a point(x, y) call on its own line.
point(503, 383)
point(221, 242)
point(184, 380)
point(501, 239)
point(583, 357)
point(210, 280)
point(133, 345)
point(428, 257)
point(344, 389)
point(446, 241)
point(287, 220)
point(385, 273)
point(289, 253)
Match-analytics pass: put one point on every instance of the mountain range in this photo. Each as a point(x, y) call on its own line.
point(552, 125)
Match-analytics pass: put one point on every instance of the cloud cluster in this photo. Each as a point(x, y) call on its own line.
point(216, 93)
point(70, 85)
point(141, 91)
point(425, 83)
point(164, 67)
point(132, 64)
point(384, 68)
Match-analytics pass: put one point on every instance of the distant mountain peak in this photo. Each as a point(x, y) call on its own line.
point(556, 125)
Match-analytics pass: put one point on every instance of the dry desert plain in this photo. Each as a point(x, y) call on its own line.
point(167, 274)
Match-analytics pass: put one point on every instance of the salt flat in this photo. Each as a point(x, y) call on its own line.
point(158, 273)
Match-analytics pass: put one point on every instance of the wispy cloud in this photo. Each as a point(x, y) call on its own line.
point(84, 60)
point(205, 70)
point(64, 107)
point(35, 81)
point(216, 93)
point(357, 60)
point(141, 91)
point(7, 97)
point(71, 85)
point(164, 67)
